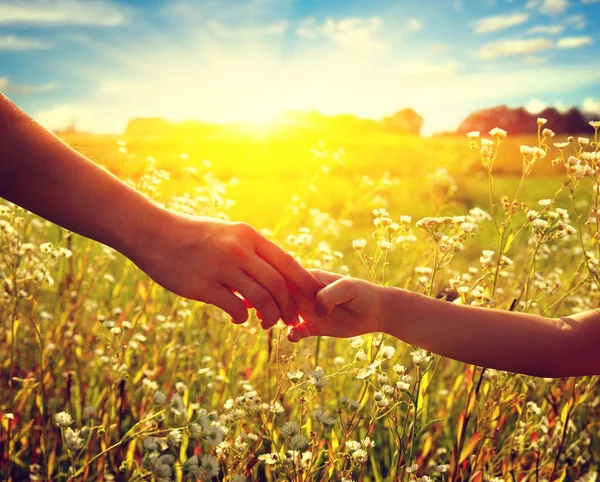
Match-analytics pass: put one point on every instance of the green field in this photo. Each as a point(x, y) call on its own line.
point(85, 332)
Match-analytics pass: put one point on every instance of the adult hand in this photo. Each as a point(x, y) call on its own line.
point(206, 259)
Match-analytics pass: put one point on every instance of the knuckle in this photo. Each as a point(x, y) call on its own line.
point(245, 230)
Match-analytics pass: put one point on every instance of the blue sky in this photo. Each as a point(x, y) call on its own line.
point(102, 62)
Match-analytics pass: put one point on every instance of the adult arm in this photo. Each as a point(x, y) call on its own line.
point(196, 257)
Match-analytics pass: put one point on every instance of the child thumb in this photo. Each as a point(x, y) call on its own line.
point(337, 293)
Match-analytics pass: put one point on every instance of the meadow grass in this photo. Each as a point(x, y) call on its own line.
point(107, 376)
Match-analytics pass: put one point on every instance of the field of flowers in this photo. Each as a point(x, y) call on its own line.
point(107, 376)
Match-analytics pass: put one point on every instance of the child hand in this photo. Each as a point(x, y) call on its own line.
point(344, 308)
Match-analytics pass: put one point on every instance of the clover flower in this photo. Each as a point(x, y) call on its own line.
point(298, 442)
point(63, 419)
point(72, 439)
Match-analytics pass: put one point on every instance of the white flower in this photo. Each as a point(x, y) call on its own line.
point(290, 429)
point(63, 419)
point(385, 245)
point(210, 467)
point(548, 133)
point(583, 141)
point(473, 134)
point(541, 121)
point(412, 469)
point(159, 399)
point(360, 456)
point(298, 442)
point(498, 133)
point(295, 376)
point(72, 439)
point(359, 244)
point(174, 438)
point(545, 202)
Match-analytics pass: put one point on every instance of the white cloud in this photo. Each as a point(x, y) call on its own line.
point(512, 47)
point(576, 21)
point(18, 89)
point(61, 12)
point(221, 30)
point(535, 106)
point(499, 22)
point(591, 105)
point(520, 47)
point(11, 42)
point(356, 34)
point(415, 24)
point(546, 29)
point(554, 7)
point(574, 42)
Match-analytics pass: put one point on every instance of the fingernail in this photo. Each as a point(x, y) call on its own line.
point(294, 336)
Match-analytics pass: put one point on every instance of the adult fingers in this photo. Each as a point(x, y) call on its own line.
point(325, 277)
point(270, 279)
point(337, 293)
point(230, 303)
point(291, 270)
point(258, 296)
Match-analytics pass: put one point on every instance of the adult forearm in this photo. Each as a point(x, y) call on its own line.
point(503, 340)
point(44, 175)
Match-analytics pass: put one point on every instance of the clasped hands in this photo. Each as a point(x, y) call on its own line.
point(214, 261)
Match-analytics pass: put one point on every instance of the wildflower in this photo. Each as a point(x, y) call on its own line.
point(72, 439)
point(420, 357)
point(298, 442)
point(473, 134)
point(583, 141)
point(541, 121)
point(532, 215)
point(360, 456)
point(405, 219)
point(361, 355)
point(150, 444)
point(384, 245)
point(269, 459)
point(290, 429)
point(359, 244)
point(46, 248)
point(295, 376)
point(412, 469)
point(561, 145)
point(548, 133)
point(276, 408)
point(595, 124)
point(479, 215)
point(159, 399)
point(545, 202)
point(63, 419)
point(498, 133)
point(174, 438)
point(210, 467)
point(353, 405)
point(442, 468)
point(399, 369)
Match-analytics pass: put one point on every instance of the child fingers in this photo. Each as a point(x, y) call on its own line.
point(337, 293)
